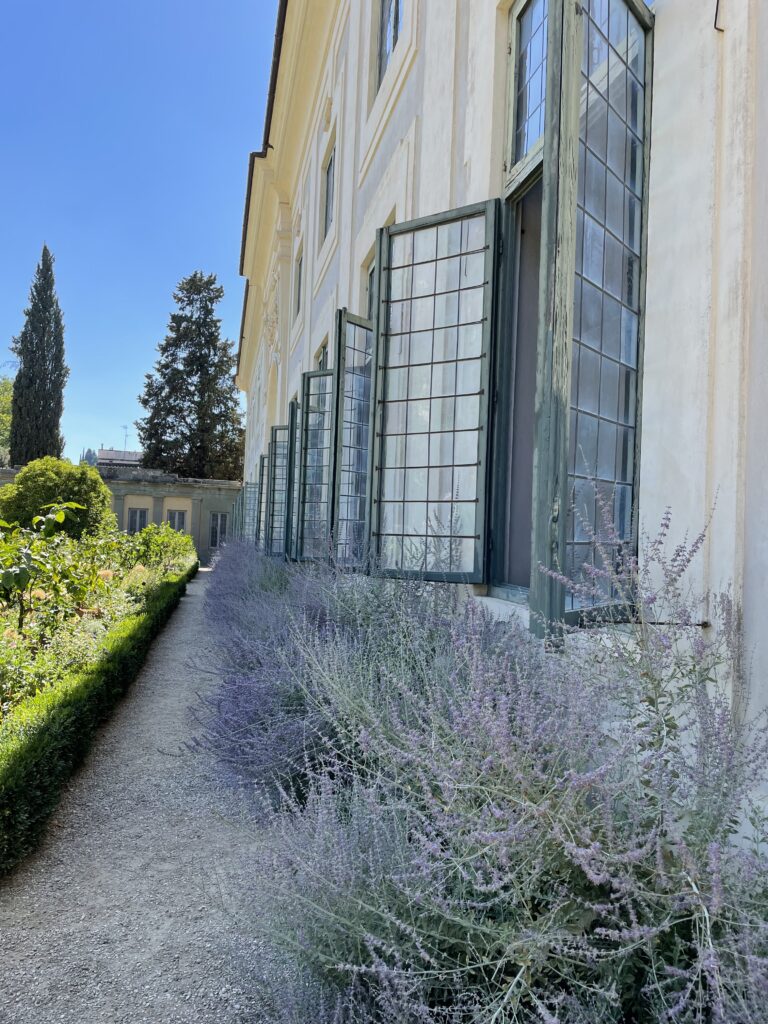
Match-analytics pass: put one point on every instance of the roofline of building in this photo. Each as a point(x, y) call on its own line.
point(242, 326)
point(260, 154)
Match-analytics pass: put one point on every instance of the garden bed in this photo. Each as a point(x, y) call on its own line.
point(47, 735)
point(464, 825)
point(77, 617)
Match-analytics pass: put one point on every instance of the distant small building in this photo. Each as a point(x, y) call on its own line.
point(201, 508)
point(110, 458)
point(210, 511)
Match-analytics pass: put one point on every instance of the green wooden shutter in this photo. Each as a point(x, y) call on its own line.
point(352, 464)
point(436, 303)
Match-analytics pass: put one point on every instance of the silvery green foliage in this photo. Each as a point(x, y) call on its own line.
point(256, 725)
point(466, 824)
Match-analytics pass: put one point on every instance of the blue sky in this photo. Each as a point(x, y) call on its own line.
point(125, 136)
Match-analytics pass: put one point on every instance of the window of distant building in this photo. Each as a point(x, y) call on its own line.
point(218, 529)
point(177, 519)
point(137, 519)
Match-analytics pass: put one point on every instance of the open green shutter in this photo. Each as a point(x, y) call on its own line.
point(261, 511)
point(436, 302)
point(277, 492)
point(294, 463)
point(352, 464)
point(314, 479)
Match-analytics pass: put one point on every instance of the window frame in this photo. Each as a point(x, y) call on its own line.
point(503, 370)
point(554, 159)
point(560, 158)
point(291, 543)
point(614, 612)
point(322, 358)
point(136, 510)
point(270, 531)
point(245, 512)
point(298, 296)
point(261, 502)
point(327, 212)
point(370, 279)
point(490, 209)
point(238, 515)
point(395, 6)
point(306, 380)
point(517, 173)
point(178, 512)
point(344, 319)
point(217, 517)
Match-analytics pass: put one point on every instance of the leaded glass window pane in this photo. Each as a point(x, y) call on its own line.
point(531, 77)
point(177, 518)
point(261, 523)
point(605, 347)
point(390, 27)
point(294, 441)
point(355, 366)
point(278, 491)
point(245, 514)
point(137, 519)
point(218, 534)
point(434, 368)
point(315, 482)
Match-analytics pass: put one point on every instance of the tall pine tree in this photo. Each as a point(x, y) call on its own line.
point(193, 425)
point(38, 390)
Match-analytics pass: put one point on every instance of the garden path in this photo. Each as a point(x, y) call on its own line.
point(128, 910)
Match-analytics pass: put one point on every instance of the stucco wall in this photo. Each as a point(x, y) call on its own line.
point(705, 374)
point(434, 139)
point(199, 498)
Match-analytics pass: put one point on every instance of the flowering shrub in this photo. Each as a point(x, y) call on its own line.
point(464, 824)
point(60, 593)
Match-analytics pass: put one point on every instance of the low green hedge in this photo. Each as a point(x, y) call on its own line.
point(47, 736)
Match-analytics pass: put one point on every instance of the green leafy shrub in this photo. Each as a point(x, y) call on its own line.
point(51, 481)
point(41, 557)
point(47, 736)
point(159, 546)
point(60, 596)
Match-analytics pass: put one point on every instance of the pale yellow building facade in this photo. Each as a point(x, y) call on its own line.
point(606, 163)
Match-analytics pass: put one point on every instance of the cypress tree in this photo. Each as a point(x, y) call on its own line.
point(193, 425)
point(38, 390)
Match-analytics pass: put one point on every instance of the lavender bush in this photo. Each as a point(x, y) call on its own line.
point(256, 724)
point(490, 828)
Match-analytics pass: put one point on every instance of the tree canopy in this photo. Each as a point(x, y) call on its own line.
point(193, 425)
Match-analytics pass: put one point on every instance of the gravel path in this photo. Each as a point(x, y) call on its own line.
point(128, 912)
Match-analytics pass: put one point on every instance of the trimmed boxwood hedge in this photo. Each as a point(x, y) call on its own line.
point(47, 736)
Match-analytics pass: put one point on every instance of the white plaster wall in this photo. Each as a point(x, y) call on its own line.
point(678, 321)
point(706, 370)
point(434, 138)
